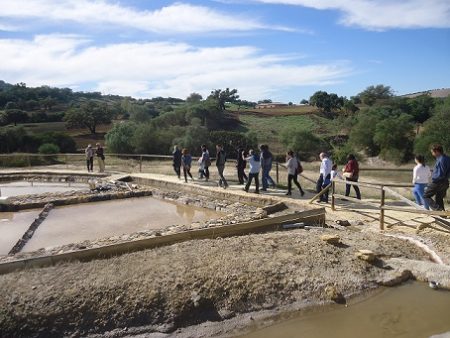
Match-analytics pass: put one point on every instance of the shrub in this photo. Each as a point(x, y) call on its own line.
point(48, 148)
point(303, 142)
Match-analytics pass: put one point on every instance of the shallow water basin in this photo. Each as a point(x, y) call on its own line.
point(19, 188)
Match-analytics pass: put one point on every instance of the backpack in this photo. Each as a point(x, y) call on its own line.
point(299, 169)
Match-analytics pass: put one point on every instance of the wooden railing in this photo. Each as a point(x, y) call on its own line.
point(385, 188)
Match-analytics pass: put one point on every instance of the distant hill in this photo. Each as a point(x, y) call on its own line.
point(443, 92)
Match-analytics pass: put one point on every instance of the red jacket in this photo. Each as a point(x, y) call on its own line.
point(352, 167)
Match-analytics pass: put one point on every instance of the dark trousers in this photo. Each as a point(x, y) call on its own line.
point(186, 172)
point(438, 189)
point(266, 179)
point(206, 172)
point(321, 184)
point(250, 179)
point(348, 187)
point(177, 169)
point(241, 174)
point(294, 178)
point(90, 164)
point(222, 181)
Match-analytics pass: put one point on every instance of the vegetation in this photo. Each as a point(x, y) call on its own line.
point(372, 123)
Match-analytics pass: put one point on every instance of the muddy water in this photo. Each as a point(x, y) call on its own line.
point(13, 226)
point(72, 224)
point(412, 310)
point(19, 188)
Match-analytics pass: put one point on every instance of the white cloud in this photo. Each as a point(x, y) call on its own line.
point(175, 18)
point(157, 68)
point(383, 14)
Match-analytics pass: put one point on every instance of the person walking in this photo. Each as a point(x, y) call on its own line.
point(240, 165)
point(324, 176)
point(439, 179)
point(100, 157)
point(177, 161)
point(205, 161)
point(89, 152)
point(186, 162)
point(351, 173)
point(254, 163)
point(335, 173)
point(293, 168)
point(266, 167)
point(421, 177)
point(221, 158)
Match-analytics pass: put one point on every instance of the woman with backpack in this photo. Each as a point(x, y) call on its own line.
point(294, 168)
point(205, 161)
point(253, 173)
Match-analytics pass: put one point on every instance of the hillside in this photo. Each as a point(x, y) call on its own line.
point(435, 93)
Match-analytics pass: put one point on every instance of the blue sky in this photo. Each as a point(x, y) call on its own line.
point(284, 50)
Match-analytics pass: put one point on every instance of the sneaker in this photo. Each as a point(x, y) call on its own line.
point(302, 193)
point(288, 194)
point(256, 192)
point(245, 190)
point(263, 189)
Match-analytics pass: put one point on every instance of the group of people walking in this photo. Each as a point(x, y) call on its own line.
point(99, 153)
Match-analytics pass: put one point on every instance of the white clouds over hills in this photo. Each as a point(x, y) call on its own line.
point(382, 14)
point(156, 68)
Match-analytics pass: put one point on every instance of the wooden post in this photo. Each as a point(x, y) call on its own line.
point(28, 160)
point(278, 172)
point(140, 163)
point(383, 196)
point(333, 190)
point(66, 159)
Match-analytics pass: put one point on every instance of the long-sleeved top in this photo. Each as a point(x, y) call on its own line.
point(352, 167)
point(325, 167)
point(186, 160)
point(254, 164)
point(441, 170)
point(89, 152)
point(266, 159)
point(292, 165)
point(421, 174)
point(177, 158)
point(221, 158)
point(334, 174)
point(204, 160)
point(241, 163)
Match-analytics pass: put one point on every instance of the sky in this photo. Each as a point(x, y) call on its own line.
point(284, 50)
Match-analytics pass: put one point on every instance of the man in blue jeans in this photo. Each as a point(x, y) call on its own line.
point(266, 166)
point(439, 179)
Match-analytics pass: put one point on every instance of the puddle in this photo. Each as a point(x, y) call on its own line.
point(411, 310)
point(18, 188)
point(13, 226)
point(91, 221)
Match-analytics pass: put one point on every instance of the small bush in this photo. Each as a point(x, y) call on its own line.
point(48, 148)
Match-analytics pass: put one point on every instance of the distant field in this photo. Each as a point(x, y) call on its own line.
point(269, 129)
point(281, 111)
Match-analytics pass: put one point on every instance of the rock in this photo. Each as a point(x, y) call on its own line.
point(343, 223)
point(366, 255)
point(333, 294)
point(395, 277)
point(331, 239)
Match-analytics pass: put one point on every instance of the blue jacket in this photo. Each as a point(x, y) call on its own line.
point(441, 170)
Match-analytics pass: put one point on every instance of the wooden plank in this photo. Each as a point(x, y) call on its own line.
point(324, 190)
point(415, 211)
point(352, 199)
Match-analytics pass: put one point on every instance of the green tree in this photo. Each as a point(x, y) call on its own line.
point(302, 141)
point(194, 98)
point(373, 93)
point(89, 115)
point(362, 133)
point(395, 137)
point(16, 116)
point(119, 138)
point(349, 107)
point(224, 96)
point(421, 107)
point(436, 130)
point(327, 103)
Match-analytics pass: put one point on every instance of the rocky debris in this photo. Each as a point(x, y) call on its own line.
point(366, 255)
point(331, 239)
point(394, 277)
point(162, 286)
point(343, 223)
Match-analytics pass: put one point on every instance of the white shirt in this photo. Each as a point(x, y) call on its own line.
point(292, 165)
point(325, 167)
point(335, 173)
point(421, 174)
point(254, 165)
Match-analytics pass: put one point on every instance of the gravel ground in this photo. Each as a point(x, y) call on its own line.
point(193, 282)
